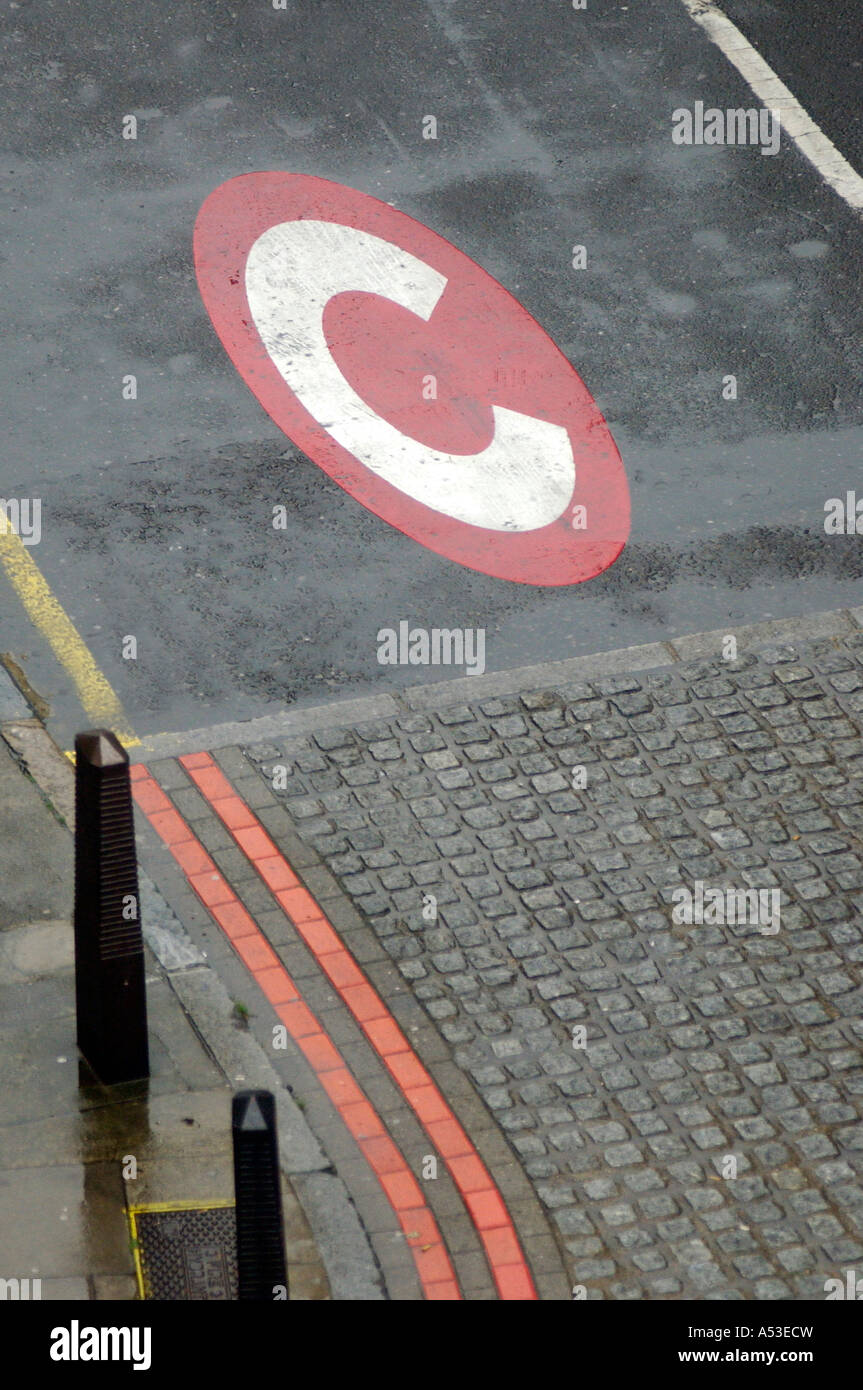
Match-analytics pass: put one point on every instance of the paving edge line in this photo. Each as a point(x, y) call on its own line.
point(797, 124)
point(32, 744)
point(250, 945)
point(476, 1185)
point(428, 698)
point(343, 1245)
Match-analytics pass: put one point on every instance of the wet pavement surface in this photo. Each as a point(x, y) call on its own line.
point(700, 262)
point(817, 51)
point(701, 1137)
point(65, 1142)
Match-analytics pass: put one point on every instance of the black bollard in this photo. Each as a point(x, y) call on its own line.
point(109, 949)
point(261, 1265)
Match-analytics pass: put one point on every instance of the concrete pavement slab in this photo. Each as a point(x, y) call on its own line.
point(74, 1157)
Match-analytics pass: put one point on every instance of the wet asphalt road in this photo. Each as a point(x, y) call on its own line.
point(553, 130)
point(817, 50)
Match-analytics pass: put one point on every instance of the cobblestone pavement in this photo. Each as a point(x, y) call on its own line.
point(554, 910)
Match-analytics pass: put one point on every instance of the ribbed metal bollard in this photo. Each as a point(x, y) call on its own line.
point(109, 949)
point(261, 1264)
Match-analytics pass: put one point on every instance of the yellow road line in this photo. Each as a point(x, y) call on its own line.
point(99, 701)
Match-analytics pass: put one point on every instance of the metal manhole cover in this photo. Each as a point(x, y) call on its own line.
point(186, 1254)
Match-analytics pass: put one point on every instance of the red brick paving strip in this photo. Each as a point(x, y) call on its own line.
point(388, 1164)
point(475, 1184)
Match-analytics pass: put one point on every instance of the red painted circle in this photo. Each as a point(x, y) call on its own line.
point(482, 346)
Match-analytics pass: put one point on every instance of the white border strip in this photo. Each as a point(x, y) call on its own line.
point(797, 123)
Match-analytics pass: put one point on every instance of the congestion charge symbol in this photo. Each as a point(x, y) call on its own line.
point(335, 307)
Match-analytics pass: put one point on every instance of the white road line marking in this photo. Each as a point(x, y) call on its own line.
point(523, 479)
point(797, 123)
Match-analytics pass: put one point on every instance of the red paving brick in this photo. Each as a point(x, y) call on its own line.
point(297, 1018)
point(172, 828)
point(234, 920)
point(235, 813)
point(366, 1126)
point(299, 905)
point(211, 889)
point(447, 1289)
point(471, 1177)
point(190, 760)
point(342, 969)
point(417, 1225)
point(257, 953)
point(191, 856)
point(254, 842)
point(341, 1087)
point(364, 1002)
point(514, 1283)
point(481, 1197)
point(503, 1246)
point(407, 1069)
point(320, 937)
point(150, 797)
point(487, 1209)
point(275, 873)
point(357, 1113)
point(386, 1035)
point(450, 1138)
point(277, 985)
point(402, 1190)
point(382, 1153)
point(428, 1103)
point(432, 1261)
point(209, 779)
point(469, 1173)
point(320, 1052)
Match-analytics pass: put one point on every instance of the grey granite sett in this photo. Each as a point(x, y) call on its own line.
point(626, 1050)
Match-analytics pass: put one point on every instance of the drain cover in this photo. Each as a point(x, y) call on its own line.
point(186, 1254)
